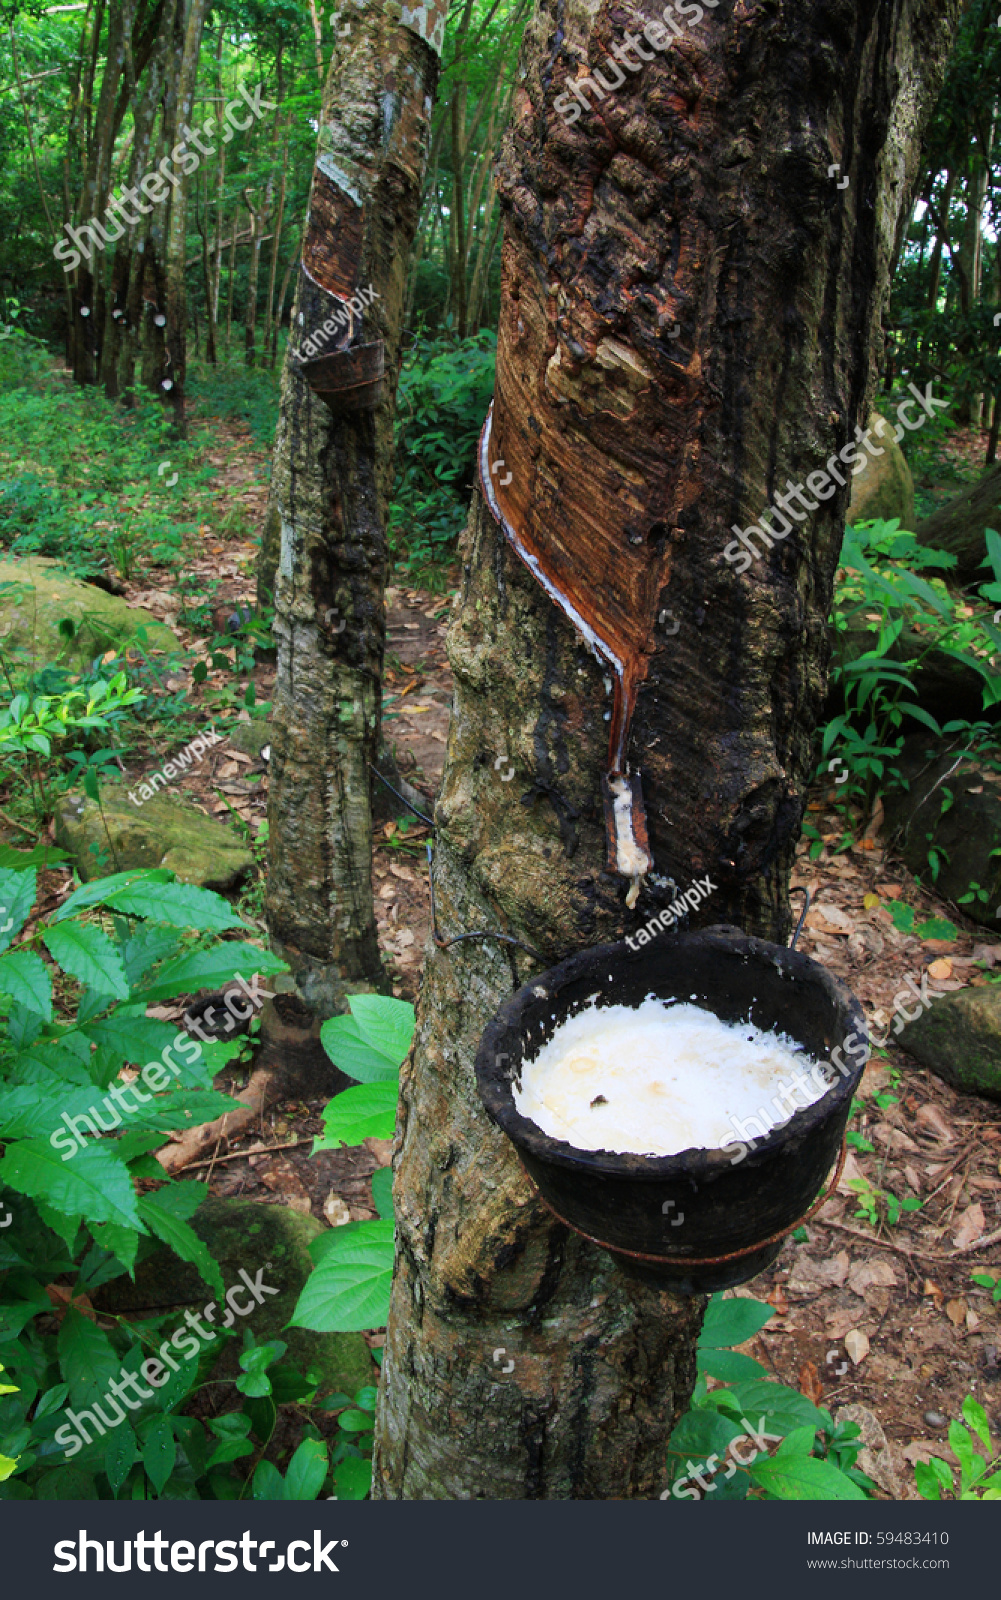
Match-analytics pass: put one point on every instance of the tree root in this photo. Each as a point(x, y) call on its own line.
point(264, 1088)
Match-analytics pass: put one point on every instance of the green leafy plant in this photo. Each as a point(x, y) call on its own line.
point(879, 590)
point(979, 1478)
point(727, 1427)
point(33, 727)
point(74, 991)
point(348, 1289)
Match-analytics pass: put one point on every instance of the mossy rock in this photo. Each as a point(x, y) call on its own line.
point(272, 1239)
point(46, 596)
point(249, 737)
point(162, 832)
point(885, 489)
point(959, 1039)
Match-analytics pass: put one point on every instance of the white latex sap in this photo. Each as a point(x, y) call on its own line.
point(657, 1079)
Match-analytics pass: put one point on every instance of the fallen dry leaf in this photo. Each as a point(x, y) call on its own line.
point(874, 1274)
point(931, 1119)
point(939, 947)
point(955, 1310)
point(777, 1298)
point(972, 1322)
point(972, 1225)
point(381, 1150)
point(924, 1449)
point(933, 1292)
point(809, 1382)
point(856, 1346)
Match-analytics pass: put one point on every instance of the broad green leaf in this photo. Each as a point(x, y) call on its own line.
point(348, 1049)
point(123, 1243)
point(229, 1450)
point(99, 890)
point(368, 1112)
point(305, 1474)
point(121, 1452)
point(211, 969)
point(927, 1482)
point(782, 1408)
point(159, 1452)
point(182, 1239)
point(349, 1289)
point(730, 1322)
point(168, 1112)
point(382, 1191)
point(87, 1358)
point(40, 855)
point(937, 928)
point(354, 1421)
point(86, 953)
point(179, 904)
point(353, 1478)
point(25, 977)
point(790, 1475)
point(387, 1024)
point(268, 1482)
point(143, 946)
point(729, 1366)
point(976, 1416)
point(134, 1039)
point(17, 896)
point(701, 1434)
point(94, 1183)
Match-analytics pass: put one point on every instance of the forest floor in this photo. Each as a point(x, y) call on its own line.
point(930, 1333)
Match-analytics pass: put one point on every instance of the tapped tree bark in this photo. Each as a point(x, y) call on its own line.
point(690, 310)
point(324, 550)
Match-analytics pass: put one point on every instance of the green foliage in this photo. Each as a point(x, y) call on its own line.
point(348, 1289)
point(979, 1478)
point(34, 729)
point(815, 1458)
point(81, 480)
point(79, 1220)
point(879, 588)
point(444, 393)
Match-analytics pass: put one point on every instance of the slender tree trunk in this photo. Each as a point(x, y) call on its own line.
point(325, 546)
point(176, 253)
point(690, 314)
point(941, 236)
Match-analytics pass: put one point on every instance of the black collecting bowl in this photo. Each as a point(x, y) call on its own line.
point(687, 1210)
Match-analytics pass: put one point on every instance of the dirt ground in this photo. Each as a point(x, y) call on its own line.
point(930, 1334)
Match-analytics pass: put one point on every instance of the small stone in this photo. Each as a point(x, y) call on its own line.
point(935, 1419)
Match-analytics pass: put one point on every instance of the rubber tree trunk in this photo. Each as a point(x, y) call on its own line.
point(324, 549)
point(689, 314)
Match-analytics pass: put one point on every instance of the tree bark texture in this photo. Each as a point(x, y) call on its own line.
point(690, 310)
point(325, 546)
